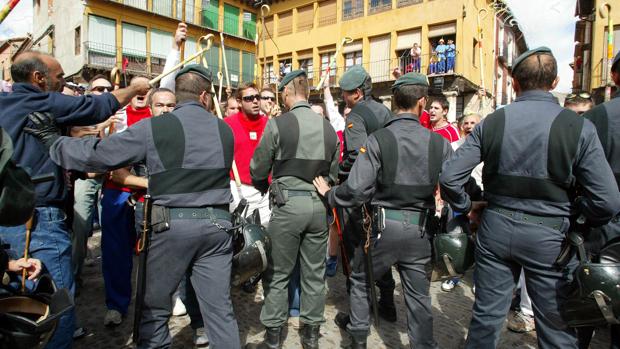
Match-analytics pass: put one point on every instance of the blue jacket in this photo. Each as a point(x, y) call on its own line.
point(29, 152)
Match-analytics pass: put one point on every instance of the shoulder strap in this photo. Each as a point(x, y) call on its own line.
point(492, 136)
point(171, 150)
point(598, 116)
point(370, 120)
point(288, 131)
point(562, 148)
point(435, 156)
point(389, 155)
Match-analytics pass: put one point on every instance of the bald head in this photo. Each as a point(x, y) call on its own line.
point(537, 72)
point(38, 69)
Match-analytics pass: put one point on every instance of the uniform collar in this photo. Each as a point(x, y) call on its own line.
point(188, 103)
point(403, 116)
point(301, 104)
point(537, 95)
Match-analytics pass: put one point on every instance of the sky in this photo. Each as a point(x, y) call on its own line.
point(549, 23)
point(544, 23)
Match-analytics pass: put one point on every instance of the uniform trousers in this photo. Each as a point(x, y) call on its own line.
point(206, 250)
point(86, 194)
point(297, 229)
point(504, 245)
point(118, 239)
point(401, 243)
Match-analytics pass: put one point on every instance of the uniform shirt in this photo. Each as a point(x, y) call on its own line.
point(202, 151)
point(412, 168)
point(29, 152)
point(450, 50)
point(448, 132)
point(247, 134)
point(355, 133)
point(524, 153)
point(310, 147)
point(606, 119)
point(441, 50)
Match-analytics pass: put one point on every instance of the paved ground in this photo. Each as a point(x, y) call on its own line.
point(452, 313)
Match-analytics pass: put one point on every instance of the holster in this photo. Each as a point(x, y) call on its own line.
point(276, 195)
point(160, 219)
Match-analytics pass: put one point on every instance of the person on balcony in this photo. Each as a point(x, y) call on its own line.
point(416, 56)
point(450, 55)
point(441, 56)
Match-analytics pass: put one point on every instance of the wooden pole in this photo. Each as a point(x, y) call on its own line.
point(482, 14)
point(183, 20)
point(29, 225)
point(605, 7)
point(265, 9)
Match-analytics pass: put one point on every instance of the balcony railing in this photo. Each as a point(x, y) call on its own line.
point(376, 6)
point(403, 3)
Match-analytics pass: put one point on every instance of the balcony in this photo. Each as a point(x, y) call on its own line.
point(104, 57)
point(376, 6)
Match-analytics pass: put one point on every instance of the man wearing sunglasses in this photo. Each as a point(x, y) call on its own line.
point(268, 104)
point(579, 102)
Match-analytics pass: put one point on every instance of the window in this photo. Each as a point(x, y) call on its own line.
point(247, 66)
point(213, 59)
point(306, 64)
point(162, 7)
point(327, 13)
point(77, 41)
point(189, 10)
point(379, 64)
point(305, 18)
point(249, 25)
point(376, 6)
point(285, 24)
point(210, 13)
point(328, 63)
point(160, 43)
point(616, 49)
point(268, 75)
point(134, 40)
point(141, 4)
point(101, 35)
point(269, 27)
point(351, 59)
point(232, 61)
point(352, 9)
point(231, 19)
point(402, 3)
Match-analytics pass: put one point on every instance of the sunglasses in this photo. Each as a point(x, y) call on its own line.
point(266, 98)
point(102, 88)
point(584, 95)
point(251, 98)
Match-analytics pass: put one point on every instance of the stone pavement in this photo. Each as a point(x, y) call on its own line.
point(452, 312)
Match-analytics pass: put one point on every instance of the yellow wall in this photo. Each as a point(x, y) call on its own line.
point(149, 20)
point(599, 41)
point(422, 15)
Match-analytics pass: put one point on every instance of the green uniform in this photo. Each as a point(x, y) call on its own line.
point(296, 147)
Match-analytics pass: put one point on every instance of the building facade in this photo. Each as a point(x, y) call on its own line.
point(591, 35)
point(306, 33)
point(92, 36)
point(8, 49)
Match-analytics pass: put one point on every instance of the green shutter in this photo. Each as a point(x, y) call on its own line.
point(231, 20)
point(210, 13)
point(232, 59)
point(249, 25)
point(248, 66)
point(213, 60)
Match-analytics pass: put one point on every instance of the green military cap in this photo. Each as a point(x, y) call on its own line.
point(289, 77)
point(198, 69)
point(353, 78)
point(411, 79)
point(615, 62)
point(523, 56)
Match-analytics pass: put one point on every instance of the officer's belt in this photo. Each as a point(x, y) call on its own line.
point(412, 217)
point(199, 213)
point(549, 222)
point(292, 192)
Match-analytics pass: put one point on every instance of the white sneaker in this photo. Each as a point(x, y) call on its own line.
point(179, 307)
point(200, 337)
point(112, 318)
point(448, 285)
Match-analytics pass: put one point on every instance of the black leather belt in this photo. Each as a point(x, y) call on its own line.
point(292, 192)
point(549, 222)
point(199, 213)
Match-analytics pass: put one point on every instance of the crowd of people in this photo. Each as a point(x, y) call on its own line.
point(355, 184)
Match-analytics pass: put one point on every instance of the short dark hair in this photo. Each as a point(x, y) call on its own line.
point(156, 91)
point(406, 97)
point(244, 86)
point(299, 85)
point(98, 77)
point(536, 72)
point(442, 101)
point(190, 86)
point(22, 68)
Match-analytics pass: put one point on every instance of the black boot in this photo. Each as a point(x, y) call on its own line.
point(272, 339)
point(342, 320)
point(358, 339)
point(310, 337)
point(387, 309)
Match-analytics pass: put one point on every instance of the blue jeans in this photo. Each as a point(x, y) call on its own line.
point(118, 238)
point(51, 243)
point(450, 62)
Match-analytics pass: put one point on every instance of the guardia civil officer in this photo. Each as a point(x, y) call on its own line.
point(534, 152)
point(189, 155)
point(366, 117)
point(606, 119)
point(295, 148)
point(400, 195)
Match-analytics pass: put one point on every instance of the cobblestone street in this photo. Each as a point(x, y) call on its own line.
point(452, 313)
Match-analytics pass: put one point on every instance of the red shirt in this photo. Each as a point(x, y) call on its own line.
point(133, 116)
point(425, 119)
point(247, 135)
point(448, 132)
